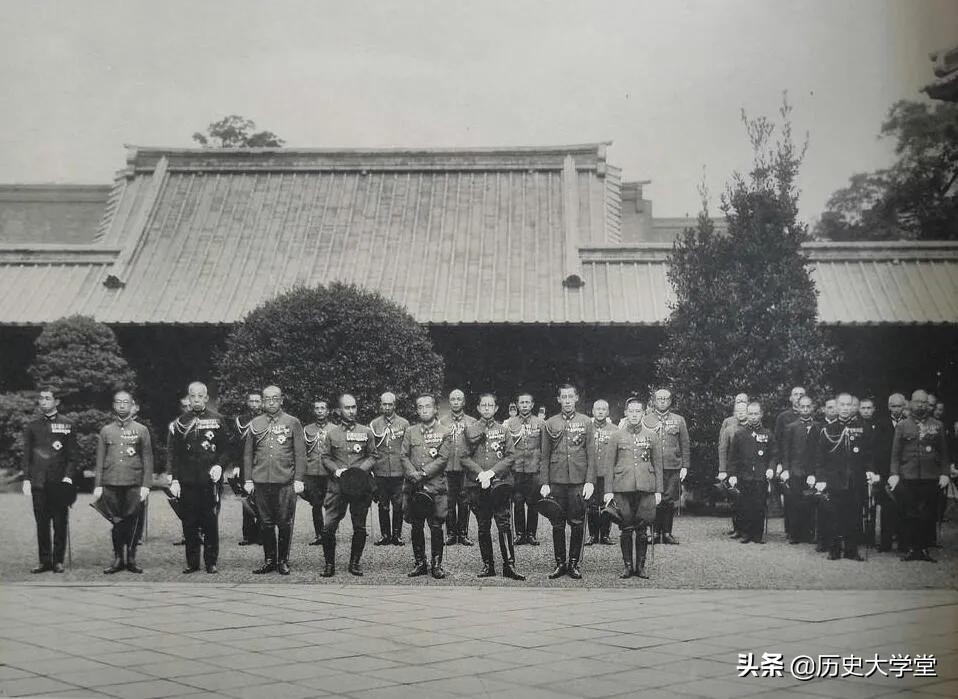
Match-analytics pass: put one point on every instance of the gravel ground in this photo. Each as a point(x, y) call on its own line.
point(705, 559)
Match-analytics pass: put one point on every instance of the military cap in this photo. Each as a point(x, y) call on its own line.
point(101, 506)
point(175, 503)
point(355, 483)
point(501, 493)
point(550, 508)
point(611, 510)
point(63, 494)
point(236, 485)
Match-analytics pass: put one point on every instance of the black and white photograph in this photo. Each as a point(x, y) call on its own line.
point(440, 349)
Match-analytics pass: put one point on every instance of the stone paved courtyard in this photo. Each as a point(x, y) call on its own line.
point(288, 641)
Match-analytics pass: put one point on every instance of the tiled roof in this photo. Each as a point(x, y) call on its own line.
point(458, 237)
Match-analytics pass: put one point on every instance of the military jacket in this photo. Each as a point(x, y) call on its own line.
point(884, 440)
point(751, 453)
point(195, 442)
point(602, 448)
point(674, 435)
point(491, 450)
point(919, 449)
point(565, 449)
point(124, 455)
point(526, 437)
point(730, 426)
point(425, 450)
point(275, 450)
point(797, 453)
point(459, 446)
point(843, 455)
point(350, 446)
point(316, 437)
point(637, 462)
point(49, 450)
point(388, 435)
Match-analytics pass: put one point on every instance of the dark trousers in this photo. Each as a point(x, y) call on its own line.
point(457, 519)
point(599, 523)
point(569, 497)
point(889, 521)
point(334, 509)
point(919, 501)
point(276, 505)
point(799, 519)
point(525, 495)
point(844, 525)
point(752, 508)
point(250, 520)
point(389, 493)
point(48, 514)
point(316, 495)
point(200, 503)
point(123, 502)
point(671, 493)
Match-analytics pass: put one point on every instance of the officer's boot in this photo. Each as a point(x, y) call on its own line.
point(435, 535)
point(641, 548)
point(519, 514)
point(625, 543)
point(356, 553)
point(131, 551)
point(485, 550)
point(285, 537)
point(118, 563)
point(593, 519)
point(329, 553)
point(506, 548)
point(659, 523)
point(558, 548)
point(418, 551)
point(605, 526)
point(532, 526)
point(575, 551)
point(668, 517)
point(317, 526)
point(267, 537)
point(384, 525)
point(397, 539)
point(835, 549)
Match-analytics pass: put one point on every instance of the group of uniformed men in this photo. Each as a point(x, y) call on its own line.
point(836, 472)
point(571, 468)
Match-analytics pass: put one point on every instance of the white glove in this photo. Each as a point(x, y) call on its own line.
point(784, 476)
point(67, 479)
point(722, 475)
point(298, 487)
point(893, 482)
point(98, 492)
point(545, 490)
point(248, 487)
point(658, 498)
point(488, 475)
point(27, 488)
point(236, 472)
point(732, 480)
point(216, 473)
point(779, 468)
point(769, 473)
point(484, 483)
point(587, 490)
point(606, 499)
point(175, 489)
point(876, 479)
point(820, 486)
point(144, 493)
point(683, 472)
point(943, 481)
point(810, 480)
point(339, 472)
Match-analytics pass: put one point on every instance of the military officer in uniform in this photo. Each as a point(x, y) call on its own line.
point(919, 469)
point(388, 429)
point(317, 449)
point(636, 484)
point(424, 451)
point(49, 469)
point(888, 512)
point(675, 464)
point(491, 460)
point(568, 475)
point(196, 449)
point(603, 455)
point(843, 467)
point(730, 426)
point(797, 456)
point(457, 522)
point(254, 407)
point(525, 434)
point(351, 445)
point(750, 462)
point(124, 473)
point(274, 464)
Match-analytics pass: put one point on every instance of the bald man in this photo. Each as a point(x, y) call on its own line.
point(197, 445)
point(388, 429)
point(676, 448)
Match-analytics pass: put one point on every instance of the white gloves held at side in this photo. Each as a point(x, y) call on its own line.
point(216, 472)
point(545, 490)
point(587, 490)
point(175, 489)
point(298, 487)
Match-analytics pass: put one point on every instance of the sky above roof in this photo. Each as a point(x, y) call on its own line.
point(664, 81)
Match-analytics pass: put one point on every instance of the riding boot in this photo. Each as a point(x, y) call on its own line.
point(485, 550)
point(329, 554)
point(397, 539)
point(131, 557)
point(436, 546)
point(356, 553)
point(575, 551)
point(508, 552)
point(317, 525)
point(519, 513)
point(385, 529)
point(605, 526)
point(641, 548)
point(282, 554)
point(118, 562)
point(558, 549)
point(625, 543)
point(418, 551)
point(593, 520)
point(268, 538)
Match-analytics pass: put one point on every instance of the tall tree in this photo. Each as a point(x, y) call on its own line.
point(914, 199)
point(744, 315)
point(234, 131)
